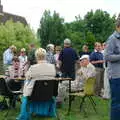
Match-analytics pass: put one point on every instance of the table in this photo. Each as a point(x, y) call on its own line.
point(56, 79)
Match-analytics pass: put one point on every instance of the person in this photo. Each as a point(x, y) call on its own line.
point(85, 51)
point(50, 56)
point(10, 78)
point(31, 55)
point(56, 56)
point(67, 59)
point(13, 70)
point(112, 56)
point(96, 58)
point(106, 90)
point(23, 62)
point(8, 56)
point(40, 71)
point(86, 70)
point(103, 47)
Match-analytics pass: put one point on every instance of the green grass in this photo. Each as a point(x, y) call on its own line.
point(102, 107)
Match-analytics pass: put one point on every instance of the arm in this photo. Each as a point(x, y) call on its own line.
point(98, 61)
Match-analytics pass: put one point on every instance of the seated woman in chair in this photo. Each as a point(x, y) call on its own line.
point(40, 71)
point(11, 74)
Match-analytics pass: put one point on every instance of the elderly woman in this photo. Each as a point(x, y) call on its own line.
point(50, 56)
point(40, 71)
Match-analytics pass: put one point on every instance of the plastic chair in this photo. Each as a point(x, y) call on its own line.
point(88, 92)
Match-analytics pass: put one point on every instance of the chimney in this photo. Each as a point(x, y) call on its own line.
point(1, 7)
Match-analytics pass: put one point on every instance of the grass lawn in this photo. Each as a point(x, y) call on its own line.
point(102, 107)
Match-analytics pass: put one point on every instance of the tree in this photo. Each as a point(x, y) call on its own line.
point(17, 34)
point(76, 31)
point(90, 40)
point(51, 28)
point(100, 24)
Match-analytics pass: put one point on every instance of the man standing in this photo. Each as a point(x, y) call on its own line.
point(112, 56)
point(68, 58)
point(96, 58)
point(31, 55)
point(8, 56)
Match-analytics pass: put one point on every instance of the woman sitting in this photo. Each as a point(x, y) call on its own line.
point(40, 71)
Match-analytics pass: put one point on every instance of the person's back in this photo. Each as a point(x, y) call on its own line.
point(42, 71)
point(68, 58)
point(31, 55)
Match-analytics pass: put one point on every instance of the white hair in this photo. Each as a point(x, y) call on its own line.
point(40, 54)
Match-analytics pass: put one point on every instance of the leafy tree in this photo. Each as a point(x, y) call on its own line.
point(76, 31)
point(17, 34)
point(95, 26)
point(90, 40)
point(51, 28)
point(100, 24)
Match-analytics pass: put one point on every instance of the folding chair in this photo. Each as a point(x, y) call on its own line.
point(6, 92)
point(88, 92)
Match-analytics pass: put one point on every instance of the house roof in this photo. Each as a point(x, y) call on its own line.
point(8, 16)
point(4, 16)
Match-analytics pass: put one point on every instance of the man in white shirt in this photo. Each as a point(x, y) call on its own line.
point(8, 56)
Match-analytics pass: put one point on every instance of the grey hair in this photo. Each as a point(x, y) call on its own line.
point(67, 41)
point(50, 47)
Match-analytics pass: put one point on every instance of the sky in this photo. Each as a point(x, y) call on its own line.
point(33, 10)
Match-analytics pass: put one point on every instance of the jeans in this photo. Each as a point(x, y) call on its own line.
point(115, 98)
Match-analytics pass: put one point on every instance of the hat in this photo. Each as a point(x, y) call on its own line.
point(84, 57)
point(67, 41)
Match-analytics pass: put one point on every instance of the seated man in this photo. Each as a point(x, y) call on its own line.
point(40, 71)
point(86, 71)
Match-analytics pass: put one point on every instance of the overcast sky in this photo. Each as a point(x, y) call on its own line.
point(33, 10)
